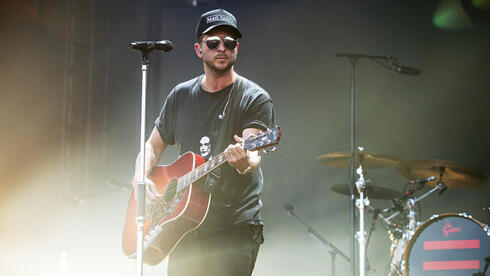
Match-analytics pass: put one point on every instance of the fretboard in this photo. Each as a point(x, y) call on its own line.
point(205, 168)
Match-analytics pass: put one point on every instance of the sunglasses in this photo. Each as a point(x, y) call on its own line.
point(213, 42)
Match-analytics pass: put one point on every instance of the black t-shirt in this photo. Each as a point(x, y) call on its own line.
point(190, 120)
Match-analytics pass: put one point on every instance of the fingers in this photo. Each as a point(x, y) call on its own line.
point(237, 157)
point(152, 194)
point(238, 138)
point(235, 153)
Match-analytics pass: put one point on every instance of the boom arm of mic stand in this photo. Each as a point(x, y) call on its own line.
point(358, 56)
point(318, 237)
point(440, 186)
point(393, 67)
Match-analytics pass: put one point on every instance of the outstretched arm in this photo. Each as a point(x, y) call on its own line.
point(154, 148)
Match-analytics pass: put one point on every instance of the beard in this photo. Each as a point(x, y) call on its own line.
point(221, 70)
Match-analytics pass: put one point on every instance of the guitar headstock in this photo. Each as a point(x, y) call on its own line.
point(265, 141)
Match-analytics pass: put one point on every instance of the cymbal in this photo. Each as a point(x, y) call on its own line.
point(369, 160)
point(454, 175)
point(373, 192)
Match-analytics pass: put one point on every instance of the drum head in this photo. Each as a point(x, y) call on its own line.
point(449, 244)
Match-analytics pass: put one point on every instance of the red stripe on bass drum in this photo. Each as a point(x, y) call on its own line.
point(452, 265)
point(456, 244)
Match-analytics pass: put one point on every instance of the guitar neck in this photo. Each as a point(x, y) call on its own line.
point(201, 171)
point(263, 142)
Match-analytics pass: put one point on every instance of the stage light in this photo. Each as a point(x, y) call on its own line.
point(462, 14)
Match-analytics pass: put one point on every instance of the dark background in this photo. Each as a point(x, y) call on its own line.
point(70, 105)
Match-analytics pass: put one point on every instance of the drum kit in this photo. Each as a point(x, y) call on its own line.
point(445, 244)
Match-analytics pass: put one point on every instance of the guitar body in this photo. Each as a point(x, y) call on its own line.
point(174, 215)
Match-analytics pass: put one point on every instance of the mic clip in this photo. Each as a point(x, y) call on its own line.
point(442, 187)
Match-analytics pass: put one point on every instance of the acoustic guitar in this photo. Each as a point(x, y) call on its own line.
point(183, 206)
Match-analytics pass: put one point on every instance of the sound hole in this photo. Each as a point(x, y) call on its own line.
point(170, 191)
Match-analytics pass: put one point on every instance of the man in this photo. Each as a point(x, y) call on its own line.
point(214, 112)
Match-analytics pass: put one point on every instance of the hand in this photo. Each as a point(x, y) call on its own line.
point(151, 193)
point(237, 157)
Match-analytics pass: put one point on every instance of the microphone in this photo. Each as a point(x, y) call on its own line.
point(406, 70)
point(162, 45)
point(423, 180)
point(289, 207)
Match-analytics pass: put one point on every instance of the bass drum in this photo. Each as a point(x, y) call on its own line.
point(447, 244)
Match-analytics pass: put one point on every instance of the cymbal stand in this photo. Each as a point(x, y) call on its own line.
point(361, 235)
point(376, 214)
point(412, 222)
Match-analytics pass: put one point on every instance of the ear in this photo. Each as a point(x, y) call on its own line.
point(198, 50)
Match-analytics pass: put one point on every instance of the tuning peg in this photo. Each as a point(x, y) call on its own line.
point(264, 152)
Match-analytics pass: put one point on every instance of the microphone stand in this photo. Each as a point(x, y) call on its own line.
point(354, 58)
point(321, 240)
point(146, 47)
point(141, 184)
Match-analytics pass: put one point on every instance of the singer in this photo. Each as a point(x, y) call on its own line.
point(209, 114)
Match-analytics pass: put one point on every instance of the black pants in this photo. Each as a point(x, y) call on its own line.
point(217, 253)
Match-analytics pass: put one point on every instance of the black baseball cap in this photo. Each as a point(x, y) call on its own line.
point(215, 18)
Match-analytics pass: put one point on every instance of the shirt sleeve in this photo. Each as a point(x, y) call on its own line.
point(260, 113)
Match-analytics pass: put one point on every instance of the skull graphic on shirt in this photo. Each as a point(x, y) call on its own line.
point(205, 146)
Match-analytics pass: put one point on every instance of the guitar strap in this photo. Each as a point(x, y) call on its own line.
point(232, 116)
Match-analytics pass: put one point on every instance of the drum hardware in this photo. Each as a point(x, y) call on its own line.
point(486, 210)
point(373, 225)
point(454, 175)
point(362, 160)
point(401, 220)
point(361, 202)
point(484, 272)
point(403, 233)
point(374, 192)
point(410, 203)
point(376, 213)
point(332, 249)
point(352, 160)
point(420, 184)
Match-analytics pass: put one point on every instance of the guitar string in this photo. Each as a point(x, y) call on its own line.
point(174, 185)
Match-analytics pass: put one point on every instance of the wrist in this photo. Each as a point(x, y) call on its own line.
point(253, 162)
point(247, 170)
